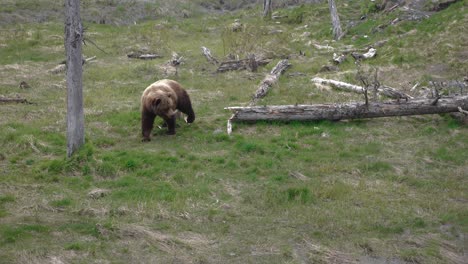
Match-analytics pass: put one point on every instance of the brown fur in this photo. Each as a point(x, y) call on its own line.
point(163, 98)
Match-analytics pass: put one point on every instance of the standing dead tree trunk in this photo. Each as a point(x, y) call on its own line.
point(337, 32)
point(73, 48)
point(267, 8)
point(353, 110)
point(270, 80)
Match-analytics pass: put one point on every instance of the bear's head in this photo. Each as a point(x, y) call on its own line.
point(162, 103)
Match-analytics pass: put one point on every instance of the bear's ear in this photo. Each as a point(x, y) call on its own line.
point(157, 102)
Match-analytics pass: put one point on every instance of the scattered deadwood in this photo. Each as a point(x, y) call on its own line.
point(62, 67)
point(143, 56)
point(176, 59)
point(14, 100)
point(250, 63)
point(338, 58)
point(89, 59)
point(383, 89)
point(208, 55)
point(58, 69)
point(390, 9)
point(237, 26)
point(270, 80)
point(360, 56)
point(170, 68)
point(354, 110)
point(323, 47)
point(357, 54)
point(340, 85)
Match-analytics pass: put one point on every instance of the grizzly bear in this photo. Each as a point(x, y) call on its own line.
point(164, 98)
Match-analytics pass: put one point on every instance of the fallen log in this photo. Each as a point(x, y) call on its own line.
point(270, 80)
point(354, 110)
point(143, 56)
point(340, 85)
point(14, 100)
point(369, 54)
point(383, 89)
point(62, 67)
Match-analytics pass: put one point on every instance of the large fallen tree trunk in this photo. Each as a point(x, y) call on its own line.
point(353, 110)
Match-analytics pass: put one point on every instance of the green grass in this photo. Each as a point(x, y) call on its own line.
point(383, 188)
point(18, 233)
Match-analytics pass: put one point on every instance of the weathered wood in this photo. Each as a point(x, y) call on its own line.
point(89, 59)
point(338, 58)
point(73, 47)
point(143, 56)
point(369, 54)
point(337, 32)
point(209, 57)
point(383, 89)
point(270, 80)
point(62, 67)
point(462, 111)
point(267, 8)
point(340, 85)
point(13, 100)
point(176, 59)
point(355, 110)
point(58, 69)
point(149, 56)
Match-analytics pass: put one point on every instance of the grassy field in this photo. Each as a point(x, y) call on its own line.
point(388, 190)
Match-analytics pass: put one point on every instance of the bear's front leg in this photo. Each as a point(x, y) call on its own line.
point(147, 120)
point(171, 121)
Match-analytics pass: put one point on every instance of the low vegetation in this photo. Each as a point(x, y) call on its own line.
point(389, 190)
